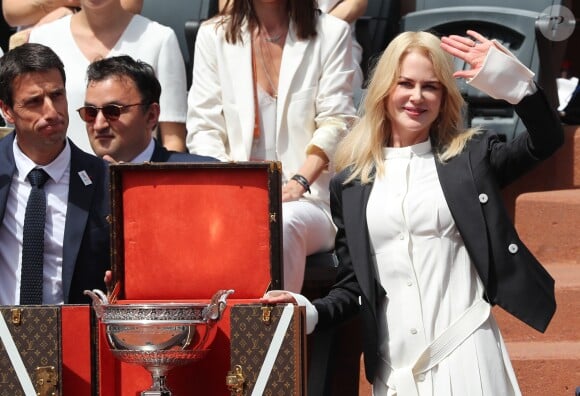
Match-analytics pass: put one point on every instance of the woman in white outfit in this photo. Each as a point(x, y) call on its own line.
point(424, 242)
point(20, 13)
point(24, 15)
point(272, 80)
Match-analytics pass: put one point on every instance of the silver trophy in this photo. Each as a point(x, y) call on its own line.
point(159, 336)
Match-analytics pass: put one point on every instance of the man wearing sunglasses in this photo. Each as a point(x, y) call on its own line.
point(54, 235)
point(121, 112)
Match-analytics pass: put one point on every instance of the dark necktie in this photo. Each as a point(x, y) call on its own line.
point(33, 240)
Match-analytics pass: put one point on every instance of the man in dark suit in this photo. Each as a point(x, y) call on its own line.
point(75, 251)
point(121, 112)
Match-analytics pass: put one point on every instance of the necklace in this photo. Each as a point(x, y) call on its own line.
point(273, 39)
point(263, 64)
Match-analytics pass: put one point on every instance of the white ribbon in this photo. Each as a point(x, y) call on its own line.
point(15, 358)
point(272, 353)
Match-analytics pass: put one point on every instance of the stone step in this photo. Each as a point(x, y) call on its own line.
point(546, 210)
point(559, 172)
point(565, 325)
point(548, 223)
point(549, 363)
point(546, 368)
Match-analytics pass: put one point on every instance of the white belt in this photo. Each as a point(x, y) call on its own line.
point(403, 379)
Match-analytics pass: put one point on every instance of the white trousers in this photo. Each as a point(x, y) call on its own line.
point(307, 229)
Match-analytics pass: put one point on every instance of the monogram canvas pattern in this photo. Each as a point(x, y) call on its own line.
point(250, 339)
point(37, 338)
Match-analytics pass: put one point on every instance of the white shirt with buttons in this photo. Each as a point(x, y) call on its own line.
point(430, 281)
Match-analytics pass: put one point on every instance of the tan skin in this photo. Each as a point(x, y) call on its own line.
point(39, 114)
point(472, 50)
point(96, 30)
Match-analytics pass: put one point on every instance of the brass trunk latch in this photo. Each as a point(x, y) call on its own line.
point(46, 381)
point(267, 314)
point(16, 316)
point(235, 381)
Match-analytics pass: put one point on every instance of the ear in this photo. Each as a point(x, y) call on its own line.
point(7, 112)
point(153, 115)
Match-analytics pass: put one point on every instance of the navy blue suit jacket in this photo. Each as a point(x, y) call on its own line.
point(161, 154)
point(86, 245)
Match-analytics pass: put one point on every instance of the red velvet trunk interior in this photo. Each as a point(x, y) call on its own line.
point(187, 233)
point(76, 350)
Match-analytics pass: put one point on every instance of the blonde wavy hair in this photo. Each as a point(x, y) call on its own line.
point(362, 149)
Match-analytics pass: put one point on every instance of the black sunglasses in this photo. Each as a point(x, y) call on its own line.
point(112, 112)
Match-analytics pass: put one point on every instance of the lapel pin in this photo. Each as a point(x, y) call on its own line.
point(85, 178)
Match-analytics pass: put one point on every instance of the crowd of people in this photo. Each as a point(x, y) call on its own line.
point(400, 191)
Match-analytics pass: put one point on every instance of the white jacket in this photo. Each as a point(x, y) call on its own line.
point(314, 97)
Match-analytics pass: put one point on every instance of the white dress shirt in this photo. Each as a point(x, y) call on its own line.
point(56, 189)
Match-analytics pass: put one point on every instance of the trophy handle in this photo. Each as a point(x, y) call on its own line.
point(217, 305)
point(99, 300)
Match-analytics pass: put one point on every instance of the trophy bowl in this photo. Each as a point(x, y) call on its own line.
point(159, 336)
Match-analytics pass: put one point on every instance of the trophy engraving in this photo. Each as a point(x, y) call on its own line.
point(159, 336)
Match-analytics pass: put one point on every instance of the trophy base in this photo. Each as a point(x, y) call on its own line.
point(158, 388)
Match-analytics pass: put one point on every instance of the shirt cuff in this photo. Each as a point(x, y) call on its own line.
point(503, 76)
point(311, 312)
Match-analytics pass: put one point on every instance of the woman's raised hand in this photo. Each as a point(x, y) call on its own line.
point(471, 50)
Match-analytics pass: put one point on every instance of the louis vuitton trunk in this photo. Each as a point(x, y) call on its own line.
point(268, 349)
point(45, 351)
point(180, 233)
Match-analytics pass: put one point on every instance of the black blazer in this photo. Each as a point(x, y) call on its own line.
point(161, 154)
point(86, 234)
point(471, 184)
